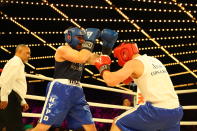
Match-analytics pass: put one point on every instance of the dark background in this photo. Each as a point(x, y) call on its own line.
point(162, 20)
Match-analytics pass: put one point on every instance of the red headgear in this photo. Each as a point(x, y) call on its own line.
point(124, 52)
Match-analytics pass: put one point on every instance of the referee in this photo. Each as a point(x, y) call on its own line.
point(13, 88)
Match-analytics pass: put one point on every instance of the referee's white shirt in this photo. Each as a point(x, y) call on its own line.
point(13, 78)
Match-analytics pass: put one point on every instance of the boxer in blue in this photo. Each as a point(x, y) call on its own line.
point(162, 111)
point(65, 98)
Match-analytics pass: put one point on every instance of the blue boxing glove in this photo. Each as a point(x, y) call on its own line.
point(90, 37)
point(108, 38)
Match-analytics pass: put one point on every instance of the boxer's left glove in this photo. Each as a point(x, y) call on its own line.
point(90, 37)
point(103, 63)
point(108, 38)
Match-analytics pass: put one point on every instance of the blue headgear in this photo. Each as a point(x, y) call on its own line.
point(70, 36)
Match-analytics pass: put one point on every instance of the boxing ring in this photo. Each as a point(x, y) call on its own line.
point(126, 19)
point(129, 92)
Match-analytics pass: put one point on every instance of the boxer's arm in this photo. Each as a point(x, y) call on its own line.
point(115, 78)
point(92, 59)
point(72, 55)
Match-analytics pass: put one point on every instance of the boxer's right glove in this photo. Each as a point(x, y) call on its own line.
point(103, 63)
point(108, 38)
point(90, 37)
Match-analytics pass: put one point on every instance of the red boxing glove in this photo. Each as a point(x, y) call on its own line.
point(103, 63)
point(128, 81)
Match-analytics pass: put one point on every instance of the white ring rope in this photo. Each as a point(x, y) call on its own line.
point(189, 107)
point(85, 85)
point(105, 120)
point(186, 91)
point(42, 98)
point(39, 115)
point(106, 88)
point(189, 123)
point(41, 77)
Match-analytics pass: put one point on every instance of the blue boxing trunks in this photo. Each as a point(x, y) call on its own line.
point(149, 118)
point(66, 101)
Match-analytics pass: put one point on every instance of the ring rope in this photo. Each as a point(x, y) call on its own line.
point(104, 120)
point(86, 85)
point(42, 98)
point(130, 92)
point(186, 91)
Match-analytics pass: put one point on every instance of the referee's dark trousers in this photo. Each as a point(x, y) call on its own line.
point(11, 116)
